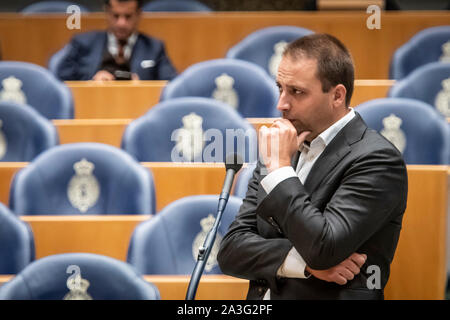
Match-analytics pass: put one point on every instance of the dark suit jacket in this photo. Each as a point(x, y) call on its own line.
point(86, 50)
point(353, 200)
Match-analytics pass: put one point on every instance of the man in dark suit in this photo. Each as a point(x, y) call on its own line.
point(322, 215)
point(119, 53)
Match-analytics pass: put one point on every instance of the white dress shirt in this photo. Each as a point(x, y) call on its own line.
point(294, 265)
point(113, 46)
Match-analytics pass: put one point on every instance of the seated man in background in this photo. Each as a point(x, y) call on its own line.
point(120, 52)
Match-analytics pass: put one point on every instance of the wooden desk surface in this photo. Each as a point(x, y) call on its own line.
point(132, 99)
point(114, 99)
point(174, 287)
point(195, 37)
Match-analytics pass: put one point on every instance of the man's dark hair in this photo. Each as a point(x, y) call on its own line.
point(139, 2)
point(334, 62)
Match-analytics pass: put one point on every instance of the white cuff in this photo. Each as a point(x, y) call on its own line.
point(275, 177)
point(293, 266)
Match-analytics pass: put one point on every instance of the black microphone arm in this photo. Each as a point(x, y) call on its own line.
point(233, 164)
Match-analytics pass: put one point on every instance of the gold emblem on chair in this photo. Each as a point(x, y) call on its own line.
point(12, 90)
point(442, 101)
point(224, 90)
point(190, 137)
point(83, 190)
point(275, 60)
point(393, 133)
point(445, 57)
point(3, 142)
point(206, 224)
point(78, 289)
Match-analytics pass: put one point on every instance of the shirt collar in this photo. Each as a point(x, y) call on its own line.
point(113, 46)
point(326, 136)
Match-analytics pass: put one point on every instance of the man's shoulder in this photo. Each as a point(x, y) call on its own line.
point(149, 41)
point(87, 38)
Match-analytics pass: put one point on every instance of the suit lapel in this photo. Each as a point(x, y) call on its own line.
point(137, 56)
point(337, 149)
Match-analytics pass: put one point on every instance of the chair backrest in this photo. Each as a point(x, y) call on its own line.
point(28, 83)
point(56, 59)
point(429, 83)
point(190, 130)
point(242, 180)
point(16, 243)
point(24, 133)
point(51, 7)
point(78, 276)
point(244, 86)
point(414, 127)
point(176, 5)
point(83, 178)
point(429, 45)
point(168, 243)
point(265, 47)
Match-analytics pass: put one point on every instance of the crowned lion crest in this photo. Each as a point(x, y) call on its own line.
point(3, 142)
point(83, 190)
point(189, 140)
point(224, 90)
point(78, 289)
point(12, 90)
point(442, 101)
point(393, 133)
point(275, 60)
point(445, 57)
point(206, 224)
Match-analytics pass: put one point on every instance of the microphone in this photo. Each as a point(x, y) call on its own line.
point(233, 163)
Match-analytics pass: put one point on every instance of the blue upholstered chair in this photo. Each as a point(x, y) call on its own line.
point(243, 85)
point(24, 133)
point(78, 276)
point(176, 5)
point(429, 45)
point(429, 83)
point(414, 127)
point(31, 84)
point(16, 243)
point(264, 47)
point(51, 7)
point(190, 130)
point(168, 243)
point(242, 180)
point(83, 178)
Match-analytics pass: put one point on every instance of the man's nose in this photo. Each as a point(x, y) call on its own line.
point(283, 103)
point(121, 21)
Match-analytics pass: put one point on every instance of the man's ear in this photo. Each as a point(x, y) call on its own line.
point(339, 95)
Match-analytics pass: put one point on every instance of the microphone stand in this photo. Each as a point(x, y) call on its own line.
point(203, 255)
point(233, 164)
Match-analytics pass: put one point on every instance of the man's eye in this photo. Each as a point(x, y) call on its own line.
point(296, 91)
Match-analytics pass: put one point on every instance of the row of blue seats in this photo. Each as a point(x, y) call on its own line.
point(205, 130)
point(152, 6)
point(152, 250)
point(238, 83)
point(265, 46)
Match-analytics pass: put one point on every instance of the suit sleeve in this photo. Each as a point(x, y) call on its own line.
point(372, 191)
point(246, 254)
point(166, 70)
point(69, 65)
